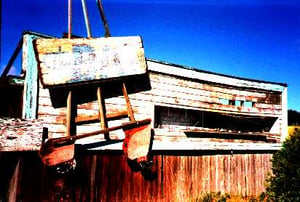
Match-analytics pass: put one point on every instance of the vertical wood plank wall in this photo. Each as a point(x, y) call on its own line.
point(108, 177)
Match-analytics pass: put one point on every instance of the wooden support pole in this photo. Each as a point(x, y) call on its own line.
point(129, 108)
point(86, 19)
point(103, 18)
point(102, 112)
point(69, 18)
point(71, 115)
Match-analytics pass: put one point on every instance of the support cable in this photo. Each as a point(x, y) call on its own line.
point(86, 19)
point(100, 7)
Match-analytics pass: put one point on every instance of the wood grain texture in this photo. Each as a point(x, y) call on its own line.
point(20, 135)
point(31, 82)
point(174, 92)
point(69, 61)
point(193, 74)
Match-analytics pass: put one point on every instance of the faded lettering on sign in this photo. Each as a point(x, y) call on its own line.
point(64, 61)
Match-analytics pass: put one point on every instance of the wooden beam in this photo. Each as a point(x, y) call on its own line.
point(82, 119)
point(31, 83)
point(189, 145)
point(129, 108)
point(71, 114)
point(102, 112)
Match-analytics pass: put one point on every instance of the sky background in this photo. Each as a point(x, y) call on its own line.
point(244, 38)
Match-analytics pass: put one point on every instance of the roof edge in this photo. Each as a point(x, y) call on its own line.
point(215, 73)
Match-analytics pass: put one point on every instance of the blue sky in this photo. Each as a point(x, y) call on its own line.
point(251, 39)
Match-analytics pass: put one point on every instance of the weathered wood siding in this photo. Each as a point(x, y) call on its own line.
point(108, 177)
point(170, 90)
point(176, 92)
point(20, 135)
point(176, 86)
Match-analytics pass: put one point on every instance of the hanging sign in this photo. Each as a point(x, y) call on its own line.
point(73, 61)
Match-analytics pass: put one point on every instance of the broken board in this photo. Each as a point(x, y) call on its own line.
point(89, 60)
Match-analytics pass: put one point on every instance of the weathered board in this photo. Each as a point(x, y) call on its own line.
point(180, 94)
point(73, 61)
point(20, 135)
point(108, 177)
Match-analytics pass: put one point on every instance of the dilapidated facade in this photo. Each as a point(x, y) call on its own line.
point(210, 133)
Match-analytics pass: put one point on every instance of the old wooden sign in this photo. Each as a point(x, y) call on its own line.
point(73, 61)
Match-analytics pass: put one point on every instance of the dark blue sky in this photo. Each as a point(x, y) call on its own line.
point(251, 39)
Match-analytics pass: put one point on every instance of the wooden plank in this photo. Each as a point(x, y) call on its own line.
point(108, 177)
point(205, 87)
point(216, 93)
point(20, 135)
point(73, 61)
point(31, 84)
point(92, 118)
point(189, 73)
point(189, 145)
point(143, 103)
point(175, 88)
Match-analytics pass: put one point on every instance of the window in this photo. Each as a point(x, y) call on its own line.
point(224, 101)
point(175, 118)
point(238, 103)
point(248, 104)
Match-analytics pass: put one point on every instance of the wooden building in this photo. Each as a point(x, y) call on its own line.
point(210, 132)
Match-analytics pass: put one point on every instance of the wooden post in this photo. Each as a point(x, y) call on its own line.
point(13, 186)
point(103, 18)
point(69, 18)
point(102, 112)
point(69, 112)
point(129, 108)
point(284, 121)
point(86, 19)
point(71, 115)
point(31, 83)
